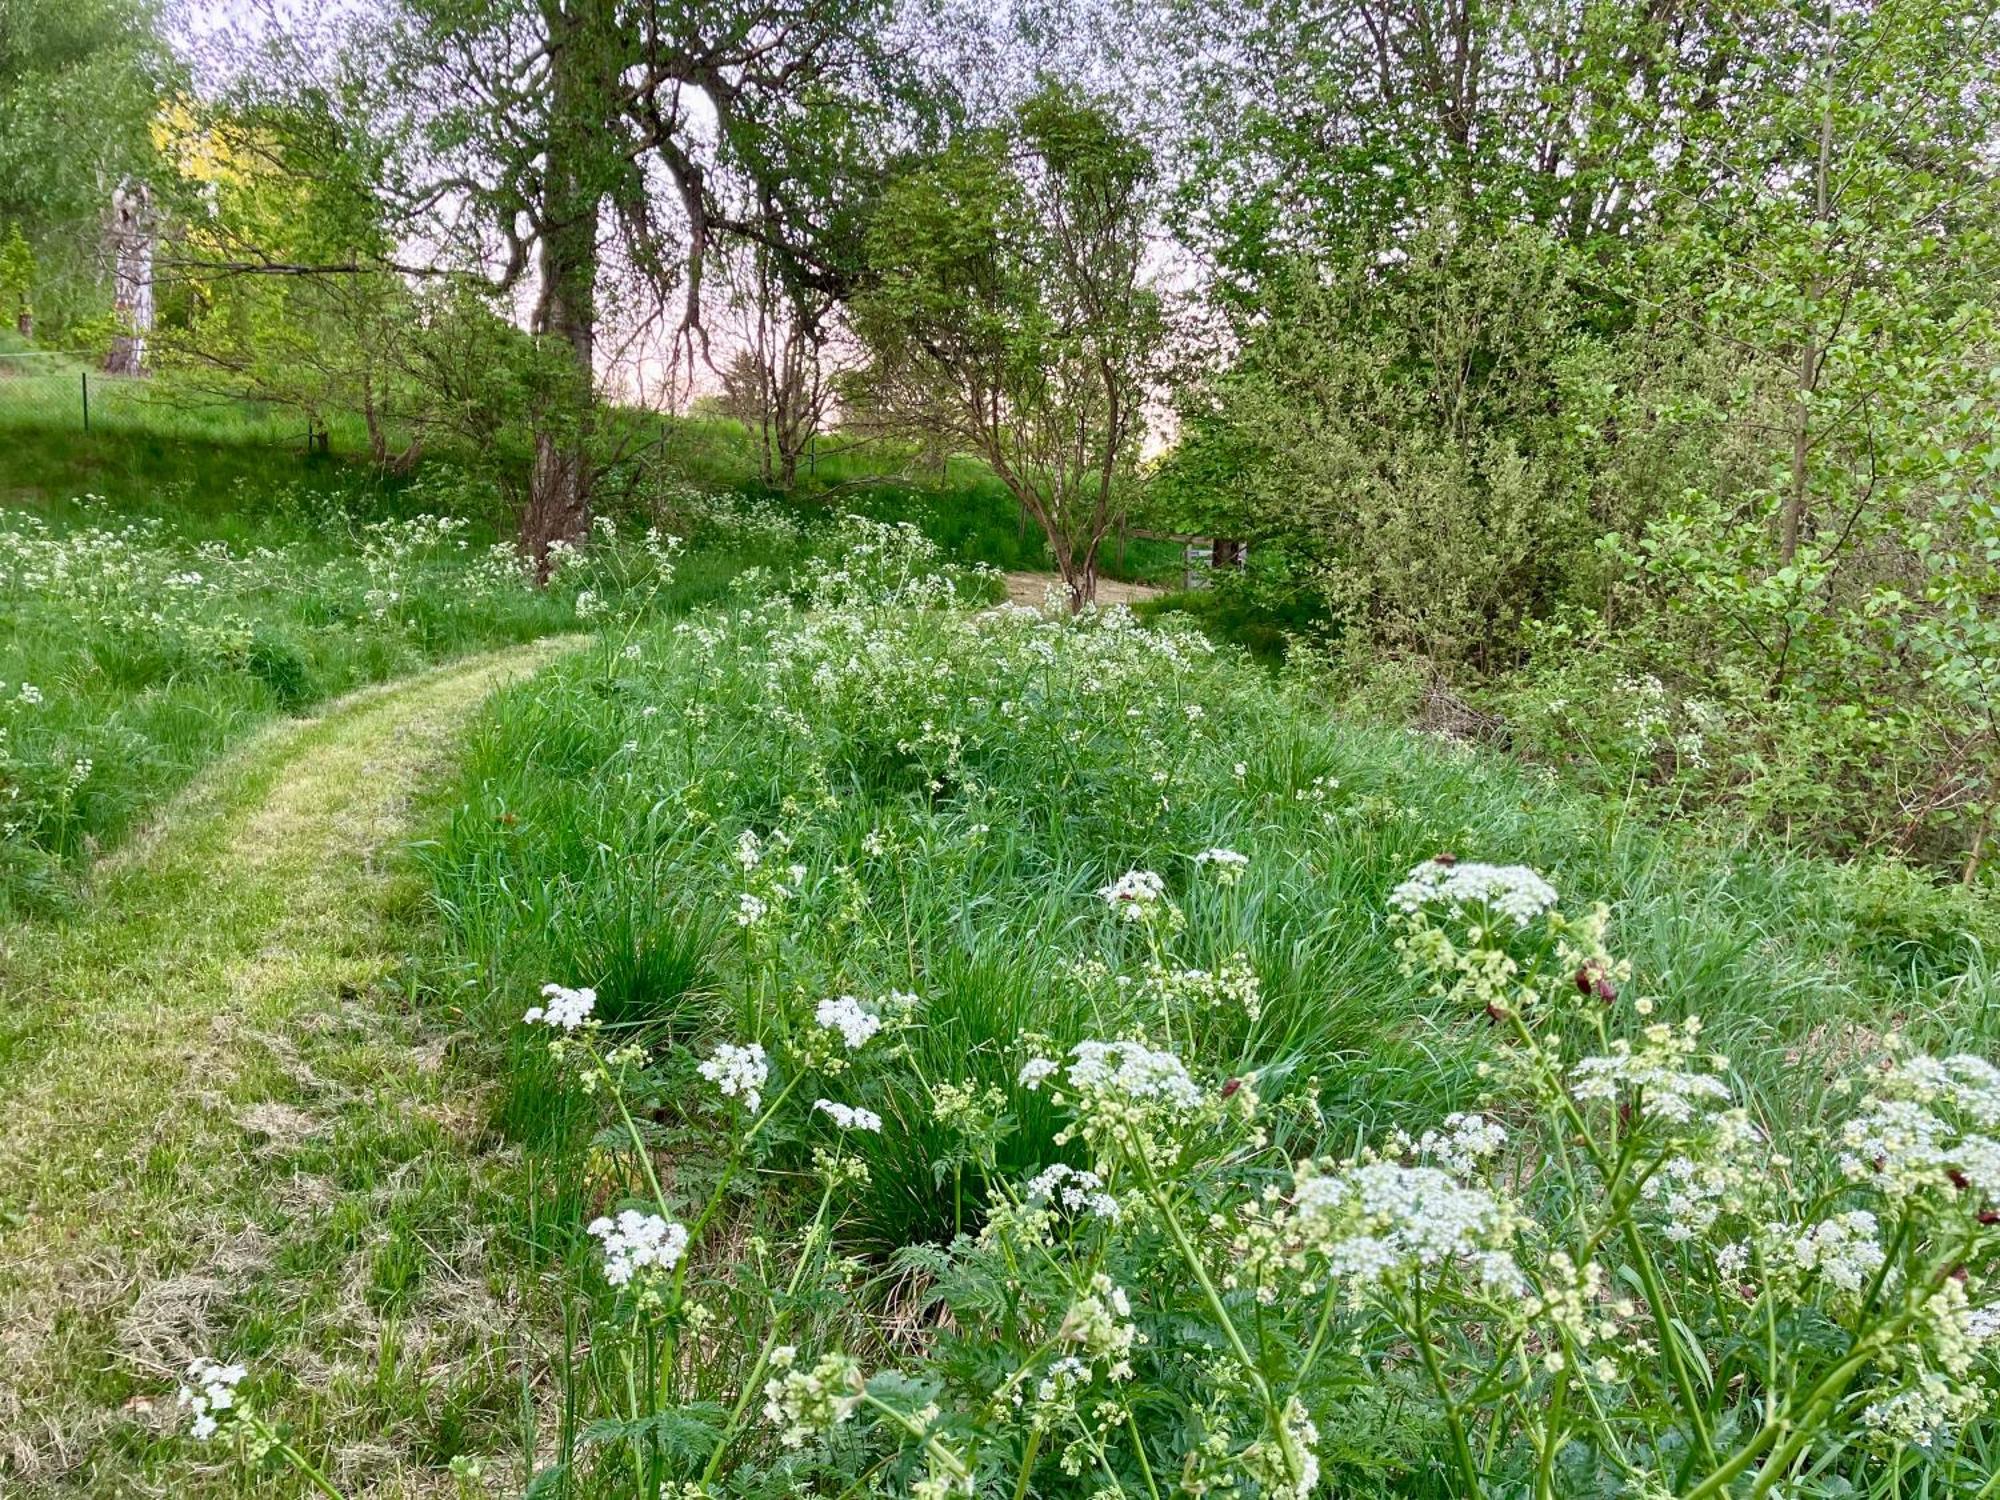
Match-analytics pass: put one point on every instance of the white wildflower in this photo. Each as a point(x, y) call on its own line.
point(565, 1009)
point(1133, 1070)
point(1136, 895)
point(1226, 864)
point(210, 1394)
point(1073, 1189)
point(738, 1071)
point(848, 1117)
point(1512, 891)
point(848, 1016)
point(636, 1242)
point(1038, 1070)
point(803, 1404)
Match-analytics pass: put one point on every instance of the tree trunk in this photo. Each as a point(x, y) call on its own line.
point(131, 246)
point(25, 324)
point(565, 318)
point(1079, 576)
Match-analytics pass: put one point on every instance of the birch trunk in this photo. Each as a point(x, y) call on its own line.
point(131, 245)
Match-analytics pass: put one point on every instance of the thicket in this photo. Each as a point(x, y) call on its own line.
point(1629, 375)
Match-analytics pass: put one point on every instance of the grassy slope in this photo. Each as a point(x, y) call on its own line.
point(281, 1155)
point(602, 802)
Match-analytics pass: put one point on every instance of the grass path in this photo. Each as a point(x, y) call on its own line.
point(223, 1128)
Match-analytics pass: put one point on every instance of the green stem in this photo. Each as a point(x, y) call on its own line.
point(1294, 1467)
point(770, 1342)
point(1460, 1444)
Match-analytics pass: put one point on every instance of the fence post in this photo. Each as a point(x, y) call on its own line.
point(84, 377)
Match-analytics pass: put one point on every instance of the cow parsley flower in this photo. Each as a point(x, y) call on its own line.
point(1512, 891)
point(848, 1016)
point(1038, 1070)
point(1137, 895)
point(750, 909)
point(1100, 1323)
point(1133, 1070)
point(1654, 1076)
point(738, 1071)
point(1374, 1221)
point(1074, 1189)
point(803, 1404)
point(210, 1393)
point(1465, 1143)
point(1845, 1249)
point(636, 1242)
point(1225, 864)
point(564, 1009)
point(848, 1117)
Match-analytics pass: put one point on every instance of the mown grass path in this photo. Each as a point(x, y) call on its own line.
point(221, 1121)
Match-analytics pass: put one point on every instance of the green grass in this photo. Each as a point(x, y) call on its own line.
point(955, 793)
point(282, 1154)
point(133, 652)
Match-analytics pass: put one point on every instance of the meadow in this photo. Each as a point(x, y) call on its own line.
point(883, 1040)
point(966, 1052)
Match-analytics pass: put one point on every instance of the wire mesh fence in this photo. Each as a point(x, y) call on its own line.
point(62, 392)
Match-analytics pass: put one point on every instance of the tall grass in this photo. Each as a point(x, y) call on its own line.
point(950, 793)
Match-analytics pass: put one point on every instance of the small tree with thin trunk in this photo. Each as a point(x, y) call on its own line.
point(1005, 312)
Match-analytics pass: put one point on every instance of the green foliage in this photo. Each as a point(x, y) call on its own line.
point(79, 84)
point(1006, 315)
point(1688, 328)
point(1409, 431)
point(927, 803)
point(17, 275)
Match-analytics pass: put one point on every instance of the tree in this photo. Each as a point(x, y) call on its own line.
point(555, 132)
point(1406, 429)
point(79, 82)
point(782, 382)
point(1006, 311)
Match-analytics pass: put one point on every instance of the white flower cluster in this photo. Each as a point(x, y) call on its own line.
point(1926, 1130)
point(562, 1008)
point(803, 1404)
point(1231, 985)
point(1073, 1189)
point(848, 1117)
point(1464, 1144)
point(1134, 1071)
point(1653, 1078)
point(1512, 891)
point(1137, 895)
point(1225, 864)
point(1036, 1071)
point(1380, 1221)
point(738, 1072)
point(636, 1242)
point(855, 1022)
point(210, 1393)
point(1100, 1324)
point(1845, 1249)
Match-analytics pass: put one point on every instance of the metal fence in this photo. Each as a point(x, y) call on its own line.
point(62, 392)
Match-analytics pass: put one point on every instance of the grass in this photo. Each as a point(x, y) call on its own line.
point(282, 1152)
point(134, 651)
point(954, 793)
point(320, 1140)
